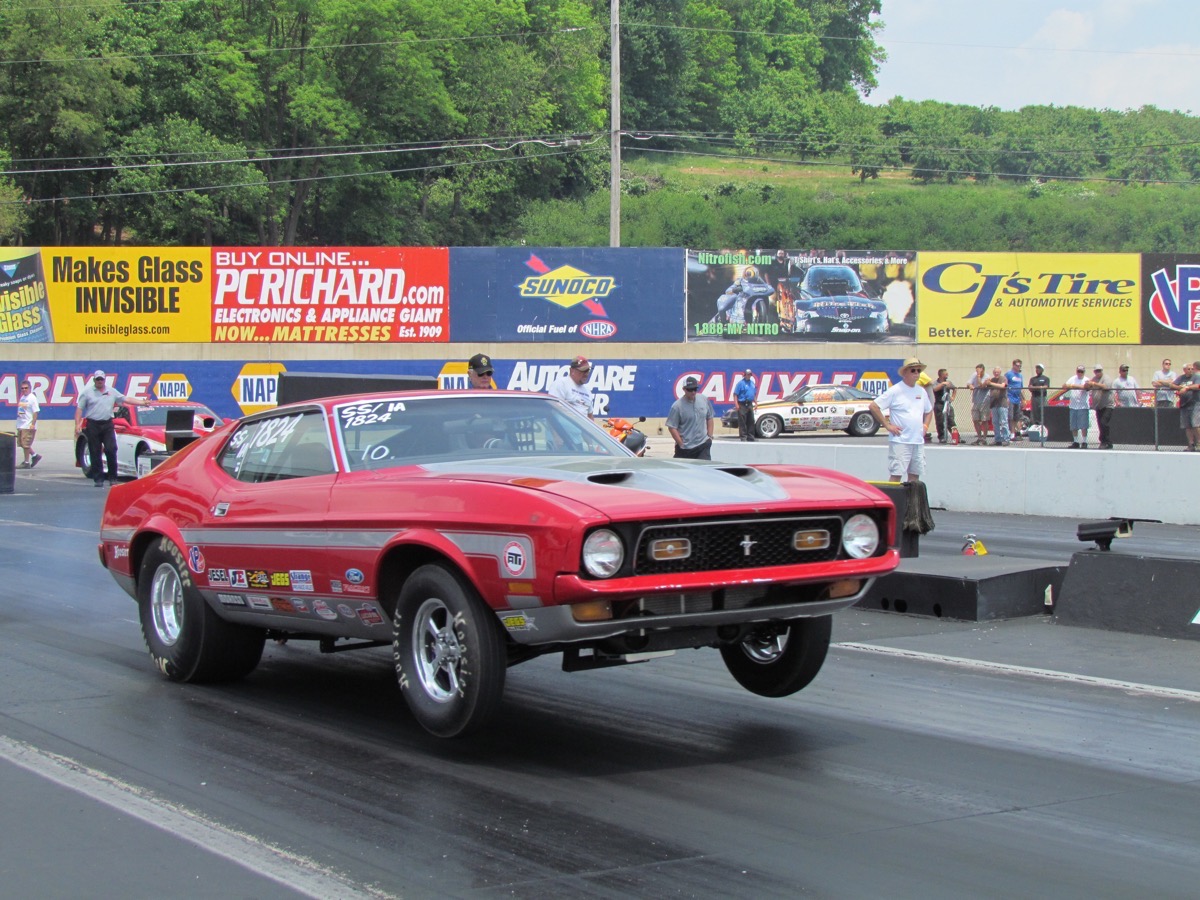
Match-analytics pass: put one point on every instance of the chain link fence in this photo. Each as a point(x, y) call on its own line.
point(1044, 419)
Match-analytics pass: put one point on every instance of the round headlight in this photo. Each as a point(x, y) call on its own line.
point(860, 536)
point(603, 553)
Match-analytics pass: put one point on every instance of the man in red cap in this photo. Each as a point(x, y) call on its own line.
point(570, 387)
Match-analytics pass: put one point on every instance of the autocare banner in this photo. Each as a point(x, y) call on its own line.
point(322, 295)
point(801, 295)
point(620, 387)
point(1171, 299)
point(508, 294)
point(1018, 298)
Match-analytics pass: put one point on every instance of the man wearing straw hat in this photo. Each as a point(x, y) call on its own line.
point(905, 411)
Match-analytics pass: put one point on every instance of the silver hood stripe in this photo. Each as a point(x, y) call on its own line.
point(292, 537)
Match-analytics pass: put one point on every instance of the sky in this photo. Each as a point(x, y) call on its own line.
point(1099, 54)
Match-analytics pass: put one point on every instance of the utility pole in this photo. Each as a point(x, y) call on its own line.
point(614, 200)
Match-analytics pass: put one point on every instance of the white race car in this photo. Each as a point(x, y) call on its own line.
point(816, 407)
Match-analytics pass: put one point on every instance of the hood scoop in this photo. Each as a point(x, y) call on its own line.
point(617, 477)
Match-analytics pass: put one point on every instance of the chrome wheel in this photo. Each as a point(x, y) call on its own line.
point(166, 604)
point(765, 648)
point(437, 651)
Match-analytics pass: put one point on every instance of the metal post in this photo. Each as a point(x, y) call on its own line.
point(614, 202)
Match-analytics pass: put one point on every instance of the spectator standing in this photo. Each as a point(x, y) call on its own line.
point(744, 394)
point(906, 411)
point(27, 416)
point(944, 393)
point(1125, 388)
point(94, 419)
point(1102, 402)
point(480, 372)
point(571, 387)
point(1078, 410)
point(1164, 380)
point(998, 388)
point(1187, 386)
point(980, 404)
point(1016, 384)
point(690, 422)
point(1039, 386)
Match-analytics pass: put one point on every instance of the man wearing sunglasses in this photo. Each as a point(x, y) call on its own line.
point(906, 411)
point(480, 372)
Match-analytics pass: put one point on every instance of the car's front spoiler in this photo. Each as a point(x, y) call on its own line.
point(557, 624)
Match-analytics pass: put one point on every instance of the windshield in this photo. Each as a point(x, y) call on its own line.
point(157, 415)
point(381, 433)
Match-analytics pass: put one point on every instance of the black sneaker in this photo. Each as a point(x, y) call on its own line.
point(1074, 445)
point(37, 458)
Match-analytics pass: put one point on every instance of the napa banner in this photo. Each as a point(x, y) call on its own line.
point(801, 295)
point(620, 387)
point(1171, 299)
point(1019, 298)
point(573, 294)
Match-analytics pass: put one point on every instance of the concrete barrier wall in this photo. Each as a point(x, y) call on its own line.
point(1034, 481)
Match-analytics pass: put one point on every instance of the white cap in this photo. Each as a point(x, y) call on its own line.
point(99, 373)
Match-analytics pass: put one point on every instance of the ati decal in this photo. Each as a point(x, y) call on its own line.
point(514, 559)
point(196, 560)
point(218, 577)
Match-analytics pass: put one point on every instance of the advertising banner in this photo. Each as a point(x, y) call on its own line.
point(24, 306)
point(620, 387)
point(318, 295)
point(128, 294)
point(507, 294)
point(1171, 298)
point(1018, 298)
point(801, 295)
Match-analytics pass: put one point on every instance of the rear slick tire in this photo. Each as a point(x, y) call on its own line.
point(187, 640)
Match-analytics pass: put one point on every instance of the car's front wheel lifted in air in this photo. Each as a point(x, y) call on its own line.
point(775, 661)
point(187, 640)
point(449, 652)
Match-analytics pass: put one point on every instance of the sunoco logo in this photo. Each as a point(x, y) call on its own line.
point(567, 286)
point(598, 329)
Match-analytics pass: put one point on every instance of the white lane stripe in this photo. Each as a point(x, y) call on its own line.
point(56, 529)
point(1131, 687)
point(288, 869)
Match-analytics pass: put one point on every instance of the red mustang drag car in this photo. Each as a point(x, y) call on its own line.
point(471, 531)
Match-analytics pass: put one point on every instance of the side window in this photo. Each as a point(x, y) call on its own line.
point(295, 445)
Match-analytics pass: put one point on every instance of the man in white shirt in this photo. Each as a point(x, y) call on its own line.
point(906, 411)
point(571, 388)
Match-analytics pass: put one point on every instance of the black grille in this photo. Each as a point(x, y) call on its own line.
point(745, 544)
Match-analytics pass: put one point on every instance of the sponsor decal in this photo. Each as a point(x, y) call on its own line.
point(231, 599)
point(355, 576)
point(237, 578)
point(258, 601)
point(598, 329)
point(369, 615)
point(301, 580)
point(514, 558)
point(218, 577)
point(346, 610)
point(196, 560)
point(279, 604)
point(518, 621)
point(335, 586)
point(172, 386)
point(357, 589)
point(567, 286)
point(120, 551)
point(281, 579)
point(258, 578)
point(321, 608)
point(300, 606)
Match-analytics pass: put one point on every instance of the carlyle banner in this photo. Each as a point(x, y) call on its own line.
point(620, 387)
point(1171, 305)
point(581, 294)
point(801, 295)
point(1019, 298)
